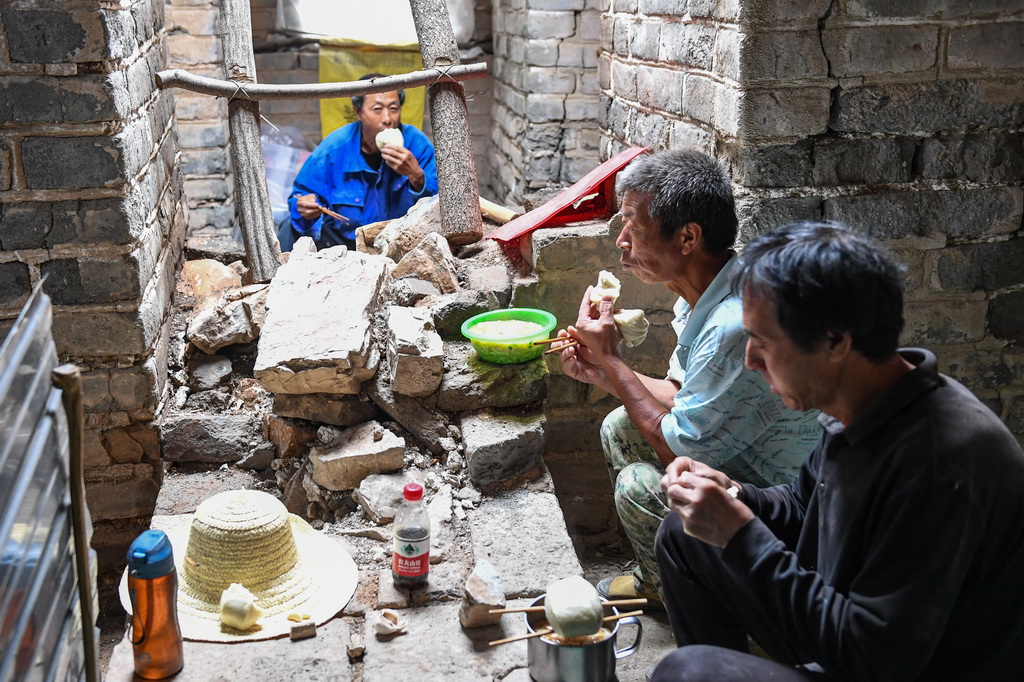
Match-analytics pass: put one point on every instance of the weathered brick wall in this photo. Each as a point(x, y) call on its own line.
point(194, 44)
point(903, 119)
point(546, 95)
point(91, 199)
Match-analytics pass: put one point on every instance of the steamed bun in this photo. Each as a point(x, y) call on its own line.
point(392, 136)
point(607, 285)
point(573, 607)
point(632, 326)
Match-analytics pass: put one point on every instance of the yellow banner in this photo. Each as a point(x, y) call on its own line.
point(345, 63)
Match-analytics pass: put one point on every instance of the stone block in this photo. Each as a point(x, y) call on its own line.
point(983, 370)
point(25, 225)
point(317, 337)
point(133, 389)
point(380, 495)
point(660, 88)
point(523, 535)
point(786, 165)
point(881, 50)
point(483, 593)
point(545, 107)
point(973, 267)
point(15, 284)
point(204, 161)
point(502, 447)
point(783, 56)
point(761, 214)
point(325, 408)
point(785, 112)
point(133, 444)
point(646, 40)
point(982, 157)
point(451, 310)
point(542, 53)
point(360, 451)
point(88, 281)
point(71, 162)
point(893, 215)
point(928, 108)
point(563, 249)
point(222, 323)
point(663, 7)
point(191, 135)
point(551, 80)
point(843, 161)
point(470, 383)
point(101, 221)
point(291, 437)
point(432, 261)
point(414, 351)
point(99, 334)
point(986, 46)
point(211, 438)
point(29, 100)
point(939, 322)
point(1004, 317)
point(193, 20)
point(549, 24)
point(50, 35)
point(699, 96)
point(129, 496)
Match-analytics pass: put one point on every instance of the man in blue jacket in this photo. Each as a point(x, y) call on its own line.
point(348, 181)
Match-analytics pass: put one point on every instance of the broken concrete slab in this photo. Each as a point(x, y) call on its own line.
point(523, 534)
point(483, 592)
point(221, 323)
point(317, 337)
point(410, 290)
point(214, 438)
point(327, 408)
point(431, 260)
point(501, 447)
point(401, 235)
point(206, 276)
point(208, 371)
point(470, 384)
point(415, 352)
point(380, 494)
point(417, 416)
point(362, 450)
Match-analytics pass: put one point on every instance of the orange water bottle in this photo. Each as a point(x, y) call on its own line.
point(153, 588)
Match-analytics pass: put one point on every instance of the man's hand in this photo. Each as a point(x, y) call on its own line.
point(699, 494)
point(403, 162)
point(308, 207)
point(596, 329)
point(578, 362)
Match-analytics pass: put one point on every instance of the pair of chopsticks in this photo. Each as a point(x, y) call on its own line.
point(333, 214)
point(570, 343)
point(548, 631)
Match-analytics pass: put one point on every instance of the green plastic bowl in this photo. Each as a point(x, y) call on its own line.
point(510, 350)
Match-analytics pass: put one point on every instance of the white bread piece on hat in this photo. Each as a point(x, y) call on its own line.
point(607, 285)
point(632, 326)
point(573, 607)
point(238, 607)
point(392, 136)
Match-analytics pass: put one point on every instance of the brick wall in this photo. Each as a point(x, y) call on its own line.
point(546, 94)
point(194, 44)
point(91, 199)
point(904, 119)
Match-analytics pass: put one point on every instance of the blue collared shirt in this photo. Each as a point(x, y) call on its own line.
point(339, 176)
point(725, 415)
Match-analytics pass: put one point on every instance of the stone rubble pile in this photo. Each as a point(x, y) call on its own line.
point(362, 379)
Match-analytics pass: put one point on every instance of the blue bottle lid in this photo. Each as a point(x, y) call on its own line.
point(150, 555)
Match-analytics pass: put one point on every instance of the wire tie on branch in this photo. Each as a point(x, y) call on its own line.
point(443, 73)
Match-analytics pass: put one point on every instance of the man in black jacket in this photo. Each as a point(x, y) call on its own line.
point(898, 552)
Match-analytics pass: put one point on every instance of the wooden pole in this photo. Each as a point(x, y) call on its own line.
point(252, 201)
point(449, 118)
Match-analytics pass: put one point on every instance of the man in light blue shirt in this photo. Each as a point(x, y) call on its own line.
point(679, 228)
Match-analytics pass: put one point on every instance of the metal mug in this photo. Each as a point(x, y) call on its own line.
point(552, 662)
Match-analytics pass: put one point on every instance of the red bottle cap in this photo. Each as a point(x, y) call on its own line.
point(413, 492)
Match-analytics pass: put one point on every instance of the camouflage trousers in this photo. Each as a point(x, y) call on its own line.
point(636, 474)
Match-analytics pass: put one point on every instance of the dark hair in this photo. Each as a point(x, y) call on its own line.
point(826, 279)
point(686, 186)
point(357, 100)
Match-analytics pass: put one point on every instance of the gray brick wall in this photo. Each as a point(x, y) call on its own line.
point(903, 119)
point(91, 208)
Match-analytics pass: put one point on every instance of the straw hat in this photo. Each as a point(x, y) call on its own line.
point(248, 537)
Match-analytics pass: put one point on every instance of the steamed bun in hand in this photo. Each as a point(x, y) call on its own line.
point(632, 326)
point(607, 285)
point(392, 136)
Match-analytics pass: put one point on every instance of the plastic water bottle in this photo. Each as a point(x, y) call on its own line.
point(153, 588)
point(410, 562)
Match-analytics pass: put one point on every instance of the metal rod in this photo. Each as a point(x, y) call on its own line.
point(180, 78)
